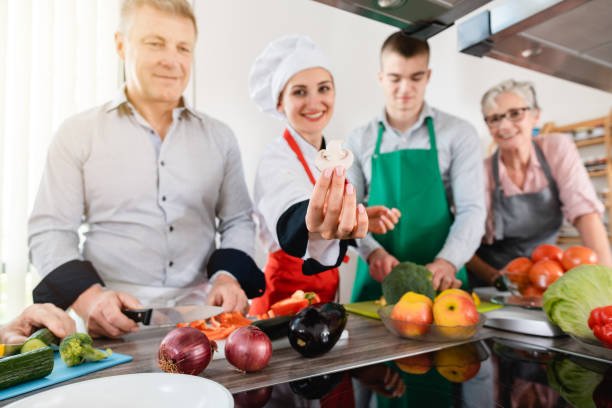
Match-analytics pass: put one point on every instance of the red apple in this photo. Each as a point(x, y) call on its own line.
point(411, 318)
point(455, 310)
point(419, 364)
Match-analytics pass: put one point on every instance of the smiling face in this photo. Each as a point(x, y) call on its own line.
point(403, 81)
point(515, 129)
point(158, 52)
point(307, 100)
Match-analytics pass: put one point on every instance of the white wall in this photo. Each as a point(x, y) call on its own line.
point(233, 32)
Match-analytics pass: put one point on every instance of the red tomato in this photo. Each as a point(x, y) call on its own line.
point(578, 255)
point(547, 251)
point(531, 291)
point(545, 272)
point(517, 270)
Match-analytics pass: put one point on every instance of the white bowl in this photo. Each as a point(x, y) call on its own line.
point(151, 390)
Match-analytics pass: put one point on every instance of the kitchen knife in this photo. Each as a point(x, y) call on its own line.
point(165, 316)
point(9, 349)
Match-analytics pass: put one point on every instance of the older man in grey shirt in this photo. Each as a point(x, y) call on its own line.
point(155, 181)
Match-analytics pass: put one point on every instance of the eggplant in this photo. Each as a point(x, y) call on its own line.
point(316, 329)
point(315, 388)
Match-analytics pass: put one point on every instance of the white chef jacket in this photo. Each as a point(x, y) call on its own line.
point(281, 182)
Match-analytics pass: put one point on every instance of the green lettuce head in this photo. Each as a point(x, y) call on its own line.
point(568, 301)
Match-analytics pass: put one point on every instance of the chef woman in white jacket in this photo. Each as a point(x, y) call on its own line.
point(306, 217)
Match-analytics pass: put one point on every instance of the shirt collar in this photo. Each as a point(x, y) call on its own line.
point(305, 147)
point(426, 112)
point(121, 102)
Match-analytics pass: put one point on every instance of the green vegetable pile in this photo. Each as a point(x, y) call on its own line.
point(78, 348)
point(407, 277)
point(569, 301)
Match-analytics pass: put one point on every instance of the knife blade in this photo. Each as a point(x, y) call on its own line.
point(9, 349)
point(165, 316)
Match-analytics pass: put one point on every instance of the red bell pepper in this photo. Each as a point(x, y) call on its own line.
point(600, 321)
point(291, 305)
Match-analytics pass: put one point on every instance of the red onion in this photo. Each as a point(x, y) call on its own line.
point(248, 349)
point(185, 350)
point(256, 398)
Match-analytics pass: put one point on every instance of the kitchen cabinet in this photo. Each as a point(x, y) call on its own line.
point(593, 138)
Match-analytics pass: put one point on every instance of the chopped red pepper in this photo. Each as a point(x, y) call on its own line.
point(600, 321)
point(291, 305)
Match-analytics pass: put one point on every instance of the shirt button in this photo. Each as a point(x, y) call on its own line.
point(163, 198)
point(170, 263)
point(171, 228)
point(162, 163)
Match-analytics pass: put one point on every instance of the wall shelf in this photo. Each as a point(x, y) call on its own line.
point(595, 127)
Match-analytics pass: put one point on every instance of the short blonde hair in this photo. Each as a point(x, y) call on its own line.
point(523, 89)
point(180, 8)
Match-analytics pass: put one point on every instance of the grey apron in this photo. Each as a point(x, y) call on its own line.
point(522, 221)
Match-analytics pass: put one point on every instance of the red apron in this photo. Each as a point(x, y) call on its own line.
point(284, 272)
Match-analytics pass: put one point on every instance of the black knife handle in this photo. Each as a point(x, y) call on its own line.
point(139, 315)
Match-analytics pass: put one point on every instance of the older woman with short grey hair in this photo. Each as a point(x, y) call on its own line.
point(532, 184)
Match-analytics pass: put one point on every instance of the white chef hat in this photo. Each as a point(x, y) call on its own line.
point(278, 62)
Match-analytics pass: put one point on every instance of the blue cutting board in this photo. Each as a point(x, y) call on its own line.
point(62, 373)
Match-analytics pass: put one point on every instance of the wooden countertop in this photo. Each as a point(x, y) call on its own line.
point(368, 343)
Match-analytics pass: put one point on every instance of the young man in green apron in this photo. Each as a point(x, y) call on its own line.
point(427, 164)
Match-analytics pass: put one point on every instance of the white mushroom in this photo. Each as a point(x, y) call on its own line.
point(334, 156)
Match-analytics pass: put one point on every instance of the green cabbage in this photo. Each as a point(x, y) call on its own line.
point(573, 382)
point(568, 302)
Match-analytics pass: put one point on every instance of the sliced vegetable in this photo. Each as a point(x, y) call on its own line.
point(568, 302)
point(32, 344)
point(45, 336)
point(25, 367)
point(220, 326)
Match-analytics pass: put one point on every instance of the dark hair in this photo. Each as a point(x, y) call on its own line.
point(405, 45)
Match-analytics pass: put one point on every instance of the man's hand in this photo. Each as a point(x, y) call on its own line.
point(226, 292)
point(34, 317)
point(382, 219)
point(381, 262)
point(443, 274)
point(381, 379)
point(333, 212)
point(101, 311)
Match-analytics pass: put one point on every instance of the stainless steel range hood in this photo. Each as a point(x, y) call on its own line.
point(569, 39)
point(419, 18)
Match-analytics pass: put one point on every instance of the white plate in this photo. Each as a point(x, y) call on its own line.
point(151, 390)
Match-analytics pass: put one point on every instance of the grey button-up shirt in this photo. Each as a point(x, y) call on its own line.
point(154, 209)
point(460, 161)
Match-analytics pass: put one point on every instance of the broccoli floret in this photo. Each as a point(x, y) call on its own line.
point(78, 348)
point(407, 277)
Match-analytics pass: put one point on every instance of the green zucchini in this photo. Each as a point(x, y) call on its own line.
point(275, 328)
point(45, 336)
point(32, 344)
point(25, 367)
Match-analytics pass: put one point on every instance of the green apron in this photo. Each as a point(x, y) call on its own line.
point(410, 181)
